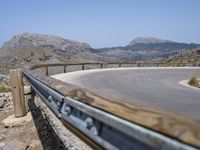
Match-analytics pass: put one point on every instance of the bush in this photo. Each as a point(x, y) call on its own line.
point(194, 81)
point(4, 88)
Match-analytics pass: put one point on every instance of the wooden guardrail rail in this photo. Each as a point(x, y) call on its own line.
point(101, 64)
point(181, 128)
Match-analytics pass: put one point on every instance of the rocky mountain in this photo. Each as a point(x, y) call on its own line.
point(147, 40)
point(27, 40)
point(145, 49)
point(29, 48)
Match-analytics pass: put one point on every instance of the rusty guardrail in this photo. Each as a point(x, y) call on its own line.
point(158, 129)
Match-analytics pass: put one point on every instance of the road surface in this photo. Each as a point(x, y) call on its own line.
point(154, 87)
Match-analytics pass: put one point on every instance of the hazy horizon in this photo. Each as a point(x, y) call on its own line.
point(102, 23)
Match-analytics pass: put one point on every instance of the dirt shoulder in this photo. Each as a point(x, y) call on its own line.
point(31, 132)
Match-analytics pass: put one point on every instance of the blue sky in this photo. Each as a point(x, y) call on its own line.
point(102, 23)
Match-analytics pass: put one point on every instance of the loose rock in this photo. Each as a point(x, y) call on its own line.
point(11, 121)
point(13, 145)
point(5, 100)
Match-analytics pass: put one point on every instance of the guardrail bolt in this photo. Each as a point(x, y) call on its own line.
point(58, 104)
point(89, 122)
point(94, 130)
point(68, 110)
point(50, 98)
point(90, 125)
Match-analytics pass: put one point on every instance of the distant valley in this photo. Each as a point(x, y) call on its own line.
point(31, 48)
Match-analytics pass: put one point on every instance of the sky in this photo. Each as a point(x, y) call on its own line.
point(102, 23)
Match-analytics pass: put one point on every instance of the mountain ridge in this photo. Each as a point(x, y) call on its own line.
point(33, 48)
point(147, 40)
point(137, 40)
point(146, 49)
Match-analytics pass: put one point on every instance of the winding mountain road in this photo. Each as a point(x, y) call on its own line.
point(154, 87)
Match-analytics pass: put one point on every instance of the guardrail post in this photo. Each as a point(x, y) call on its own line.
point(120, 65)
point(83, 67)
point(138, 64)
point(17, 88)
point(101, 66)
point(64, 69)
point(46, 71)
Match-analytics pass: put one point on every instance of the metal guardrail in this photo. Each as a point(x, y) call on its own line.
point(104, 127)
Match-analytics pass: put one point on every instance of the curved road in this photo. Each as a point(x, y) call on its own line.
point(154, 87)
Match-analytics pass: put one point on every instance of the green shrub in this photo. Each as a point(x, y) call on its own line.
point(4, 88)
point(194, 81)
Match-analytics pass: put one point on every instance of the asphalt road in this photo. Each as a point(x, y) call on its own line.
point(158, 88)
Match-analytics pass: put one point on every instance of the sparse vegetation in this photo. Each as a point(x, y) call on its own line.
point(194, 81)
point(4, 88)
point(191, 57)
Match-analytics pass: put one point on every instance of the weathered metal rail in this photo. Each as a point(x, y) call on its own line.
point(110, 123)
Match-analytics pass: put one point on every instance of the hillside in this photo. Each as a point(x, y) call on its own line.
point(191, 56)
point(146, 49)
point(37, 48)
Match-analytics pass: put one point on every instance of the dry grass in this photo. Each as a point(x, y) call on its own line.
point(194, 81)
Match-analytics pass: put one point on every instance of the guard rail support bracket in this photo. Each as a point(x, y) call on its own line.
point(46, 71)
point(83, 67)
point(64, 69)
point(101, 66)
